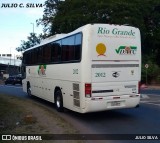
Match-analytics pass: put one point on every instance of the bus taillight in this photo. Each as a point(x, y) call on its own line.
point(88, 90)
point(139, 86)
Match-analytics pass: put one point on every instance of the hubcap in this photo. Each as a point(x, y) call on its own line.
point(58, 102)
point(29, 91)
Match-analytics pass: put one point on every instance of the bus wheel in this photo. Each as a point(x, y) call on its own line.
point(59, 101)
point(29, 90)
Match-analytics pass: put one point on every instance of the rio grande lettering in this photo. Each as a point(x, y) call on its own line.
point(115, 31)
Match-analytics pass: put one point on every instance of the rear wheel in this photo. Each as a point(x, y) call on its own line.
point(59, 101)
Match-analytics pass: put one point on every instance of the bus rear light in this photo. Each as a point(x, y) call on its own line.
point(88, 90)
point(139, 86)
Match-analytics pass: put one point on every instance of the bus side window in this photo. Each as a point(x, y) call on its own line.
point(56, 51)
point(68, 49)
point(78, 46)
point(29, 57)
point(47, 53)
point(24, 60)
point(39, 53)
point(32, 57)
point(35, 56)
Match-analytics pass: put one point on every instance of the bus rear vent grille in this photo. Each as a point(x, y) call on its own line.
point(76, 96)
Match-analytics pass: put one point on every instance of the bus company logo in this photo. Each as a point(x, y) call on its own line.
point(126, 50)
point(42, 69)
point(132, 72)
point(101, 49)
point(115, 74)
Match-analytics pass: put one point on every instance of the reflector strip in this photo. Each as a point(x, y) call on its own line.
point(116, 97)
point(114, 65)
point(102, 91)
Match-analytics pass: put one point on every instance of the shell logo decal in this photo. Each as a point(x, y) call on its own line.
point(42, 69)
point(101, 49)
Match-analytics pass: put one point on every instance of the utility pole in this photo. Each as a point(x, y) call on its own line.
point(146, 66)
point(10, 55)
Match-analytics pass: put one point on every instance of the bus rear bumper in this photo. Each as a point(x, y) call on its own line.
point(108, 103)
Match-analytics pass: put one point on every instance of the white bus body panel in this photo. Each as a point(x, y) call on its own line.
point(110, 62)
point(115, 67)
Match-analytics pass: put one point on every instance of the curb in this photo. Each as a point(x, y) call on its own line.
point(144, 96)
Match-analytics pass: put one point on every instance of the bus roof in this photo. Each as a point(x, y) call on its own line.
point(63, 35)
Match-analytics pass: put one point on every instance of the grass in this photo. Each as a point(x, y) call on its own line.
point(9, 115)
point(23, 116)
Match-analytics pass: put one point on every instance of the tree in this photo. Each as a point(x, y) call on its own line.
point(32, 40)
point(66, 16)
point(49, 14)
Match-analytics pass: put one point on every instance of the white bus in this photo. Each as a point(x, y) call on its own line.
point(94, 68)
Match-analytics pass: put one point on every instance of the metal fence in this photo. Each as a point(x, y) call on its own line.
point(10, 61)
point(9, 66)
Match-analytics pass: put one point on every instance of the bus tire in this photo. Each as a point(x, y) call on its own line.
point(29, 90)
point(59, 101)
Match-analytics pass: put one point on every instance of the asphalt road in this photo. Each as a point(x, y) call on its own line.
point(137, 121)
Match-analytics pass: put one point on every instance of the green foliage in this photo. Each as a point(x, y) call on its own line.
point(65, 16)
point(153, 71)
point(32, 40)
point(158, 78)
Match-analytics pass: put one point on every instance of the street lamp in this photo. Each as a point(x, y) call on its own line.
point(10, 55)
point(33, 27)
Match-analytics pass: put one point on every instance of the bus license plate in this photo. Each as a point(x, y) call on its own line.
point(116, 103)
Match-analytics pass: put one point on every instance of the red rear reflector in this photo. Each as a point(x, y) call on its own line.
point(100, 98)
point(139, 86)
point(88, 90)
point(116, 97)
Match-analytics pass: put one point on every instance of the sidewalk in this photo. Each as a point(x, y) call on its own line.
point(157, 87)
point(152, 87)
point(1, 81)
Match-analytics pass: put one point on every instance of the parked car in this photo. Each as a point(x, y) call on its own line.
point(14, 80)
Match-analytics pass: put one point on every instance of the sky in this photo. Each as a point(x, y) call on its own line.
point(15, 23)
